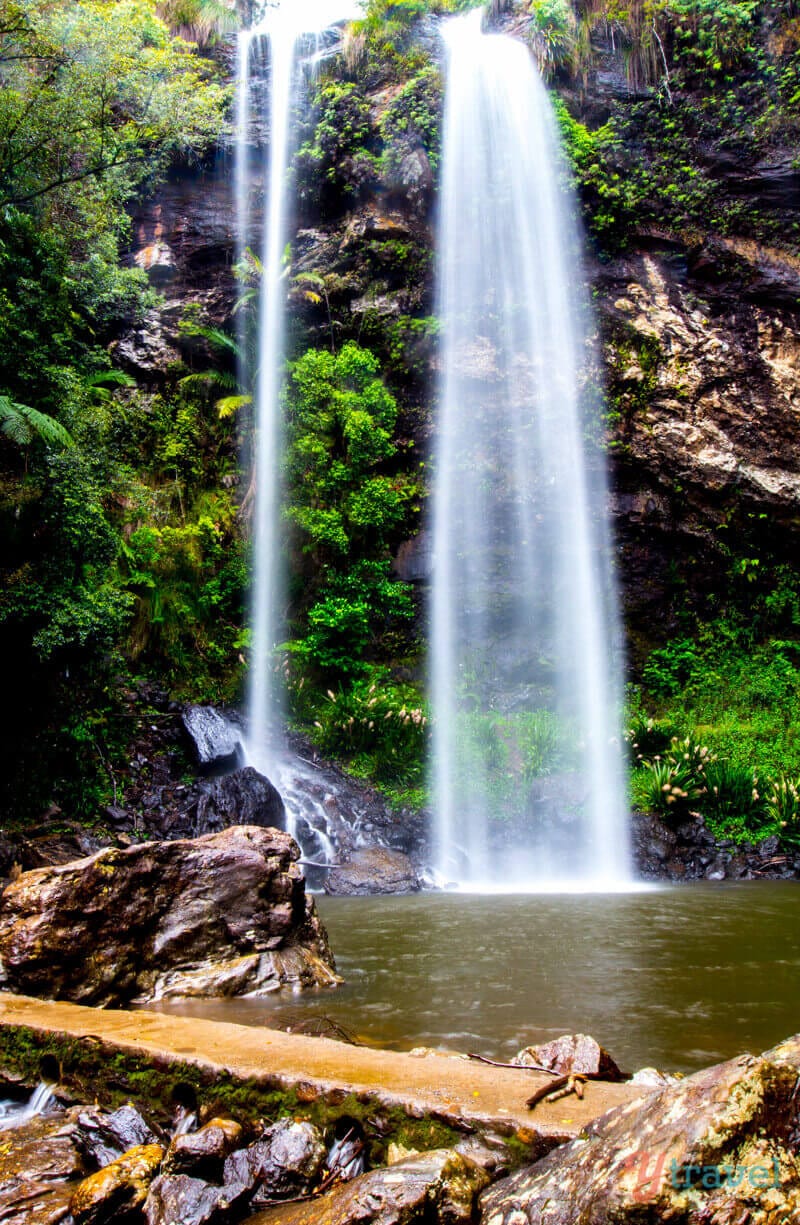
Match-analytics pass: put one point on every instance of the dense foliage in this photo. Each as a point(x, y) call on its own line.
point(96, 100)
point(122, 511)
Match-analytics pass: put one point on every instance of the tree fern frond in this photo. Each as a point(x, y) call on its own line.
point(21, 424)
point(14, 424)
point(110, 378)
point(209, 378)
point(214, 336)
point(229, 405)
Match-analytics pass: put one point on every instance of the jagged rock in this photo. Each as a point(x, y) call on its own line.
point(243, 798)
point(215, 741)
point(375, 870)
point(177, 1199)
point(104, 1137)
point(571, 1053)
point(202, 1153)
point(219, 915)
point(688, 1154)
point(441, 1185)
point(149, 347)
point(117, 1191)
point(707, 437)
point(282, 1164)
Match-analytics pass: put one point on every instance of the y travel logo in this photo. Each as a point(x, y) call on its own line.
point(653, 1171)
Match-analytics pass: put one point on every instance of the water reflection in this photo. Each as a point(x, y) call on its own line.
point(679, 977)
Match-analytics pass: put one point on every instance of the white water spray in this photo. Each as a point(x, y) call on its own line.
point(12, 1114)
point(527, 775)
point(292, 30)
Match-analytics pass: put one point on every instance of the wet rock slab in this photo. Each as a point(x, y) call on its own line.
point(220, 915)
point(438, 1186)
point(719, 1147)
point(37, 1159)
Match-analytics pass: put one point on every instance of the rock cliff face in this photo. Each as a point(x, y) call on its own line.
point(700, 341)
point(226, 914)
point(702, 349)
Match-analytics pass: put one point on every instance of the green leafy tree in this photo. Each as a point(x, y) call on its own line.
point(346, 503)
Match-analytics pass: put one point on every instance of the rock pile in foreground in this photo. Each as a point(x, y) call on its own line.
point(721, 1147)
point(226, 914)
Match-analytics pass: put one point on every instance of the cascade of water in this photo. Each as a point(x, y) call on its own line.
point(14, 1113)
point(286, 28)
point(527, 773)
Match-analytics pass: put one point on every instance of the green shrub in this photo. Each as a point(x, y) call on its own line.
point(375, 725)
point(783, 810)
point(675, 784)
point(733, 806)
point(647, 737)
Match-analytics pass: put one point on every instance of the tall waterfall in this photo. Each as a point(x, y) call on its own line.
point(291, 31)
point(527, 773)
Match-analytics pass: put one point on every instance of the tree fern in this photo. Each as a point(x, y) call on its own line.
point(22, 425)
point(215, 336)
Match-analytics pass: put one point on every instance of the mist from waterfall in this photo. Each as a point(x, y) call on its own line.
point(527, 769)
point(290, 34)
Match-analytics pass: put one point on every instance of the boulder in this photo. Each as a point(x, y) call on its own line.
point(716, 1147)
point(216, 742)
point(374, 870)
point(226, 914)
point(570, 1053)
point(283, 1163)
point(103, 1137)
point(177, 1199)
point(117, 1191)
point(441, 1185)
point(202, 1153)
point(242, 798)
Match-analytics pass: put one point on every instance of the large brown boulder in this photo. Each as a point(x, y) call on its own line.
point(718, 1147)
point(220, 915)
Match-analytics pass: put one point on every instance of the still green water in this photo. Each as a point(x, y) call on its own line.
point(674, 977)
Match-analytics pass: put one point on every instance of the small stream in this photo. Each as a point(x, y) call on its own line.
point(672, 977)
point(14, 1112)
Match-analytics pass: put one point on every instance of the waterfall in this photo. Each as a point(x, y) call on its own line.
point(292, 31)
point(527, 773)
point(12, 1114)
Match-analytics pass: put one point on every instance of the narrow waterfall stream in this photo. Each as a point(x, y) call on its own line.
point(292, 31)
point(14, 1113)
point(527, 773)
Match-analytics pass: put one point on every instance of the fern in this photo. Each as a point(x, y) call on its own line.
point(209, 378)
point(22, 425)
point(228, 406)
point(215, 336)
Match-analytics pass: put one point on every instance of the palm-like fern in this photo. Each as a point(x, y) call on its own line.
point(22, 425)
point(228, 405)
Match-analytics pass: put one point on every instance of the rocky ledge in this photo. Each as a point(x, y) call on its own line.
point(716, 1148)
point(690, 851)
point(226, 914)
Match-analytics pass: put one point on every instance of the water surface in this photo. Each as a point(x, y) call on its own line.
point(678, 977)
